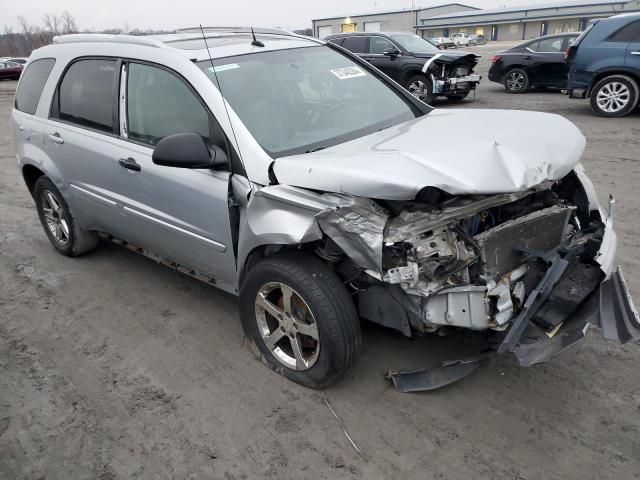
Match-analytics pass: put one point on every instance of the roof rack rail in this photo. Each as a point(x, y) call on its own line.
point(108, 38)
point(258, 30)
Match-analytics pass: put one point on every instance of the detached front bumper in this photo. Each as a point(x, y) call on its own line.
point(609, 307)
point(443, 86)
point(604, 302)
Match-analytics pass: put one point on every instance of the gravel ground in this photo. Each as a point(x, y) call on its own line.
point(113, 367)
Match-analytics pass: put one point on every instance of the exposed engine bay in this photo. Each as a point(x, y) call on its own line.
point(466, 261)
point(452, 75)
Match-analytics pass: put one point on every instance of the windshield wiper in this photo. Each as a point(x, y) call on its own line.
point(317, 149)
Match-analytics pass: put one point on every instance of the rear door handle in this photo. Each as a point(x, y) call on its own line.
point(129, 164)
point(635, 53)
point(56, 138)
point(526, 57)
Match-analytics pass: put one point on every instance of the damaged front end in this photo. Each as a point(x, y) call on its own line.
point(535, 268)
point(451, 75)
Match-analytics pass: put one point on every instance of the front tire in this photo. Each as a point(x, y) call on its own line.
point(614, 96)
point(301, 318)
point(516, 81)
point(421, 87)
point(58, 222)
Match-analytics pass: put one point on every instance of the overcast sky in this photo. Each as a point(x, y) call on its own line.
point(163, 14)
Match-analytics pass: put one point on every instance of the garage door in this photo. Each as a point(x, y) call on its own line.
point(324, 31)
point(373, 26)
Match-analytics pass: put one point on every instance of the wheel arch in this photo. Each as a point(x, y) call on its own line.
point(610, 72)
point(31, 174)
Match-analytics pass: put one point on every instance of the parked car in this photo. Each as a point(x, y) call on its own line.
point(10, 70)
point(536, 63)
point(414, 63)
point(460, 39)
point(443, 43)
point(320, 192)
point(477, 39)
point(604, 65)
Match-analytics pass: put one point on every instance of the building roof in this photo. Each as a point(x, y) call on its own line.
point(389, 12)
point(529, 8)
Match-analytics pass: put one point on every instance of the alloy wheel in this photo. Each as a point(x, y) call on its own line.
point(613, 97)
point(418, 89)
point(515, 81)
point(287, 326)
point(55, 217)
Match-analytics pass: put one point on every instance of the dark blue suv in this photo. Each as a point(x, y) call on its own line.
point(604, 65)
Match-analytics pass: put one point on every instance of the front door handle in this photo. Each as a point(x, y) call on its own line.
point(56, 138)
point(129, 164)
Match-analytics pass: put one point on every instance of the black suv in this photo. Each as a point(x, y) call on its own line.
point(415, 63)
point(604, 65)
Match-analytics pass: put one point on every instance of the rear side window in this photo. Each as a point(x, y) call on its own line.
point(85, 96)
point(355, 44)
point(337, 41)
point(32, 84)
point(549, 45)
point(628, 33)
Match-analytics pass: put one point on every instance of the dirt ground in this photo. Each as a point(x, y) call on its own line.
point(114, 367)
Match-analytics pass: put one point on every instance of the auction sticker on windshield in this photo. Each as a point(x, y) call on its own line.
point(348, 72)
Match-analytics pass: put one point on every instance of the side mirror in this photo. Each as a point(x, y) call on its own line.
point(391, 53)
point(188, 150)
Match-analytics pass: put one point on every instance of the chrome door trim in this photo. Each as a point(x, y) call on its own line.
point(100, 198)
point(218, 247)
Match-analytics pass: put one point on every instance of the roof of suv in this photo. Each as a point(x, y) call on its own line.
point(221, 42)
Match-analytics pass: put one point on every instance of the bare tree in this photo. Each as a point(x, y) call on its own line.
point(51, 23)
point(26, 32)
point(68, 23)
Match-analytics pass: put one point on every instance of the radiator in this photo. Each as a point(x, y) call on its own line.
point(542, 230)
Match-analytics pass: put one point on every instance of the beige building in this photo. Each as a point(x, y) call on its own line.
point(388, 21)
point(521, 23)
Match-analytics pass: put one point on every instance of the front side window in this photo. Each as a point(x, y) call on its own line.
point(379, 45)
point(86, 95)
point(415, 44)
point(32, 84)
point(160, 104)
point(305, 99)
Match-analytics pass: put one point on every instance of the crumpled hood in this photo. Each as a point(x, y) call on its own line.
point(451, 57)
point(460, 151)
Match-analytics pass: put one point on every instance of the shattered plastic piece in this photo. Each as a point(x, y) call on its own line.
point(436, 377)
point(619, 318)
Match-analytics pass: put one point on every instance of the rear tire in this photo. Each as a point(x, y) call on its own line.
point(58, 222)
point(313, 337)
point(614, 96)
point(420, 86)
point(516, 81)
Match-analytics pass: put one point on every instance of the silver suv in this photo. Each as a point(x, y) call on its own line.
point(291, 173)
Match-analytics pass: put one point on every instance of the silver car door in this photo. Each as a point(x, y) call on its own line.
point(81, 138)
point(179, 214)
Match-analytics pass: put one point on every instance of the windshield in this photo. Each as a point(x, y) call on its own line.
point(415, 44)
point(305, 99)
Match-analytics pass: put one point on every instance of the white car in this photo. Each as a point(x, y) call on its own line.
point(294, 174)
